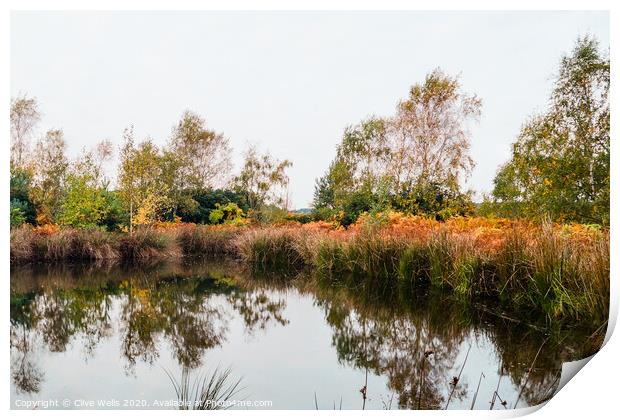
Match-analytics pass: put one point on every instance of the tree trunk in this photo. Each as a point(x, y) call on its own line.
point(131, 217)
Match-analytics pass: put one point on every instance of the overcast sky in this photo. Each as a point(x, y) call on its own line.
point(290, 82)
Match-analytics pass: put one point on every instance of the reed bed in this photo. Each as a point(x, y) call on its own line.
point(207, 240)
point(273, 248)
point(561, 271)
point(28, 245)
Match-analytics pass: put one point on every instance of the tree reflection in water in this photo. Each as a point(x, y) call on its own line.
point(416, 342)
point(180, 311)
point(26, 376)
point(158, 306)
point(415, 352)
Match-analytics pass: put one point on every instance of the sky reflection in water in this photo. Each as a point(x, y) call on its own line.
point(110, 332)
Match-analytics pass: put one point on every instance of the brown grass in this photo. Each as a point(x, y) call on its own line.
point(558, 270)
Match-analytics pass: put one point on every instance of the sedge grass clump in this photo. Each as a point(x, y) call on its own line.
point(513, 267)
point(147, 243)
point(374, 255)
point(366, 255)
point(330, 257)
point(594, 266)
point(555, 280)
point(271, 249)
point(79, 245)
point(464, 276)
point(414, 267)
point(29, 245)
point(453, 261)
point(207, 240)
point(570, 277)
point(26, 245)
point(441, 253)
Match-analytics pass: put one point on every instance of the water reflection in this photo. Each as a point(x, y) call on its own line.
point(415, 350)
point(417, 345)
point(420, 344)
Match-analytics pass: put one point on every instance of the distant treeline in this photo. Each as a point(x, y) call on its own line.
point(413, 162)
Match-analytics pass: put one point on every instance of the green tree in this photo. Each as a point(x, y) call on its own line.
point(207, 200)
point(229, 213)
point(86, 202)
point(414, 161)
point(560, 161)
point(17, 214)
point(429, 135)
point(85, 205)
point(50, 169)
point(205, 155)
point(436, 199)
point(141, 184)
point(324, 193)
point(22, 207)
point(261, 179)
point(361, 160)
point(115, 216)
point(171, 176)
point(196, 158)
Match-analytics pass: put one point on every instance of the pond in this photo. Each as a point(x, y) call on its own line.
point(147, 337)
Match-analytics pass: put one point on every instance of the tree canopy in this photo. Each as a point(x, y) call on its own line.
point(261, 179)
point(560, 161)
point(414, 160)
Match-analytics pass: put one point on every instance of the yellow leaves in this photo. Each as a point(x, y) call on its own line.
point(143, 296)
point(148, 210)
point(140, 294)
point(548, 182)
point(580, 233)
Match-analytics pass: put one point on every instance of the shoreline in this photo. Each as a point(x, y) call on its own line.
point(557, 270)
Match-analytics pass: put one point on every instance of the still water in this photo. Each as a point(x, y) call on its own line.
point(146, 337)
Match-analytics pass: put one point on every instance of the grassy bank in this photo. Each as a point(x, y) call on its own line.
point(47, 245)
point(557, 270)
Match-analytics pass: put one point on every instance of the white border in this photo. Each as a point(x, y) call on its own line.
point(592, 394)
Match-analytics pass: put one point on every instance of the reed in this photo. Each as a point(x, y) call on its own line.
point(330, 257)
point(559, 271)
point(271, 249)
point(205, 392)
point(27, 245)
point(147, 244)
point(207, 240)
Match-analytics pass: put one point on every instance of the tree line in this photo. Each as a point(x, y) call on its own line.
point(414, 161)
point(188, 179)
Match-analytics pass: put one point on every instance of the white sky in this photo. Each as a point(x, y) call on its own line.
point(289, 81)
